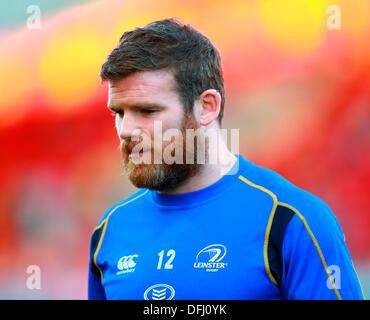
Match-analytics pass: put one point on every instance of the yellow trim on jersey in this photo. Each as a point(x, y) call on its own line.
point(97, 249)
point(276, 202)
point(268, 228)
point(105, 223)
point(316, 246)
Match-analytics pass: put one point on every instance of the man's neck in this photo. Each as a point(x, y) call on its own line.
point(209, 174)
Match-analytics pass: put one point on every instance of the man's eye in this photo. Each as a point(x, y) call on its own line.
point(148, 111)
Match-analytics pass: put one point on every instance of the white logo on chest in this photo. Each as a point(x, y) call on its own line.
point(210, 258)
point(126, 264)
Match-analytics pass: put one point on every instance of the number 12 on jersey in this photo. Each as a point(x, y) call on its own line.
point(168, 265)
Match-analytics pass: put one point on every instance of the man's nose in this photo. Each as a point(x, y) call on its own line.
point(127, 127)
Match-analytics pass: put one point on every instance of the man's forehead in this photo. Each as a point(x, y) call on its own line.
point(144, 81)
point(145, 87)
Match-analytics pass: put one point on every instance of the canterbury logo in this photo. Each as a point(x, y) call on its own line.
point(127, 264)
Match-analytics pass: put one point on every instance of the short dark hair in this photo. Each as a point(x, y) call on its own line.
point(169, 44)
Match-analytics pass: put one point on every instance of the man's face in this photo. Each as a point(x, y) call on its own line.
point(139, 101)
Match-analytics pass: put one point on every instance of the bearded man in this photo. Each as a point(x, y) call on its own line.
point(206, 223)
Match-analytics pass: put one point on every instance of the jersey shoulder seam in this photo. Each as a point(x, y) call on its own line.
point(269, 223)
point(268, 228)
point(316, 244)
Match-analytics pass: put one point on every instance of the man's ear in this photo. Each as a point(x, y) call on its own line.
point(209, 103)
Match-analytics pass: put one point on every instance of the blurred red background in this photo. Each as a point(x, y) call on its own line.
point(298, 92)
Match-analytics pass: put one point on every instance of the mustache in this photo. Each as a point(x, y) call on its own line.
point(128, 145)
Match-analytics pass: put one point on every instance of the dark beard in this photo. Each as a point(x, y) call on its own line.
point(164, 177)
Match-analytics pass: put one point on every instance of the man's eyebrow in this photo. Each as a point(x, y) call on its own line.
point(137, 106)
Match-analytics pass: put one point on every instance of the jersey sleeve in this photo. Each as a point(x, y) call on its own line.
point(95, 287)
point(316, 262)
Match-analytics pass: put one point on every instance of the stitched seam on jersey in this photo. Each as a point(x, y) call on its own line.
point(316, 244)
point(268, 228)
point(97, 250)
point(105, 222)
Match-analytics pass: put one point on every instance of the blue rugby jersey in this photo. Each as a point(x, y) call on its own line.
point(250, 235)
